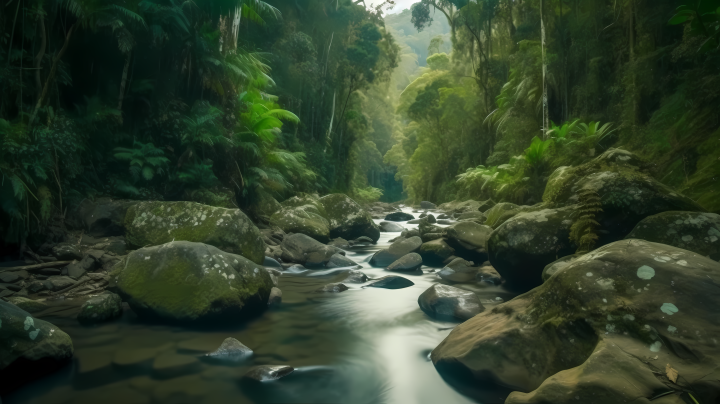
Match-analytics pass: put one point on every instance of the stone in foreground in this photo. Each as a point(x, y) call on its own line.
point(397, 250)
point(192, 282)
point(391, 282)
point(449, 303)
point(306, 251)
point(600, 330)
point(266, 373)
point(407, 263)
point(104, 307)
point(399, 217)
point(695, 231)
point(231, 350)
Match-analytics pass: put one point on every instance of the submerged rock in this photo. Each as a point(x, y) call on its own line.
point(391, 282)
point(306, 251)
point(332, 288)
point(399, 217)
point(407, 263)
point(103, 307)
point(449, 303)
point(156, 222)
point(694, 231)
point(29, 347)
point(191, 282)
point(601, 330)
point(347, 219)
point(356, 277)
point(231, 350)
point(397, 250)
point(459, 271)
point(341, 261)
point(266, 373)
point(275, 296)
point(390, 227)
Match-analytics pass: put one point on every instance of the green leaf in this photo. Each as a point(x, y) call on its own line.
point(147, 173)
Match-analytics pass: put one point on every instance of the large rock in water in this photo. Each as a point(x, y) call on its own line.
point(397, 250)
point(503, 211)
point(156, 222)
point(306, 251)
point(29, 347)
point(521, 247)
point(627, 193)
point(601, 330)
point(190, 282)
point(103, 217)
point(469, 239)
point(347, 219)
point(449, 303)
point(305, 219)
point(694, 231)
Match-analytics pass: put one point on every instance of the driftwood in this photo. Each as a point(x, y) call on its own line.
point(37, 266)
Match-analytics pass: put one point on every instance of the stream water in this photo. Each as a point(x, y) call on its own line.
point(364, 345)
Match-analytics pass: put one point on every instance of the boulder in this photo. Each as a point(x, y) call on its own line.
point(449, 303)
point(102, 217)
point(478, 217)
point(399, 217)
point(601, 330)
point(391, 282)
point(269, 262)
point(266, 205)
point(435, 252)
point(29, 305)
point(627, 193)
point(9, 277)
point(521, 247)
point(29, 347)
point(469, 239)
point(431, 218)
point(231, 350)
point(355, 276)
point(398, 249)
point(347, 219)
point(76, 270)
point(459, 271)
point(332, 288)
point(488, 274)
point(559, 264)
point(341, 261)
point(503, 211)
point(306, 219)
point(156, 222)
point(303, 199)
point(101, 308)
point(390, 227)
point(460, 207)
point(275, 296)
point(56, 283)
point(694, 231)
point(431, 236)
point(407, 263)
point(192, 283)
point(67, 252)
point(340, 243)
point(265, 373)
point(427, 205)
point(304, 250)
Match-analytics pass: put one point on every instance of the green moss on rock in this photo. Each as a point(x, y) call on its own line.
point(348, 219)
point(304, 219)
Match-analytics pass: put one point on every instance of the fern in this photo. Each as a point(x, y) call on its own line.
point(145, 160)
point(583, 231)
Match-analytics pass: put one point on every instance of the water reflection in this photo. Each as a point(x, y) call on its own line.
point(365, 345)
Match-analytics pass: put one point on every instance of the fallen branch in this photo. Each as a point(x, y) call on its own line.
point(36, 266)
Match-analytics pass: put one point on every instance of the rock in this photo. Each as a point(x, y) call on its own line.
point(486, 205)
point(415, 221)
point(29, 347)
point(427, 205)
point(693, 231)
point(445, 222)
point(266, 205)
point(267, 373)
point(190, 282)
point(604, 324)
point(303, 199)
point(275, 297)
point(391, 282)
point(431, 218)
point(271, 263)
point(29, 305)
point(4, 293)
point(306, 219)
point(362, 240)
point(56, 283)
point(101, 308)
point(503, 211)
point(340, 243)
point(521, 247)
point(399, 217)
point(469, 239)
point(444, 216)
point(231, 350)
point(9, 277)
point(559, 264)
point(435, 252)
point(156, 222)
point(36, 286)
point(332, 288)
point(398, 249)
point(340, 261)
point(407, 263)
point(67, 252)
point(410, 233)
point(459, 271)
point(449, 303)
point(77, 269)
point(478, 217)
point(431, 236)
point(102, 217)
point(390, 227)
point(107, 261)
point(628, 194)
point(304, 250)
point(488, 274)
point(347, 219)
point(355, 276)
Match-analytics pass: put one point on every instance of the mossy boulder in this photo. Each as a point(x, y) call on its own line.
point(522, 246)
point(265, 204)
point(102, 217)
point(156, 222)
point(303, 199)
point(503, 211)
point(694, 231)
point(304, 219)
point(449, 303)
point(435, 252)
point(306, 251)
point(29, 347)
point(347, 219)
point(397, 250)
point(600, 330)
point(628, 194)
point(191, 283)
point(104, 307)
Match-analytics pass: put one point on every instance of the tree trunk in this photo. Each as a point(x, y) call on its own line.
point(545, 112)
point(123, 82)
point(51, 76)
point(39, 58)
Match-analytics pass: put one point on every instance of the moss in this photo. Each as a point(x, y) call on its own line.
point(305, 219)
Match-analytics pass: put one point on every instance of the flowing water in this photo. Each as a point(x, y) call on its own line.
point(364, 345)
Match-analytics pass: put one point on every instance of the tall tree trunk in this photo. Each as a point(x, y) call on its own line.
point(51, 75)
point(545, 112)
point(633, 93)
point(332, 117)
point(123, 82)
point(39, 58)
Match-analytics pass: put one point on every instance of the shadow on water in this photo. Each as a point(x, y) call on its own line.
point(460, 378)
